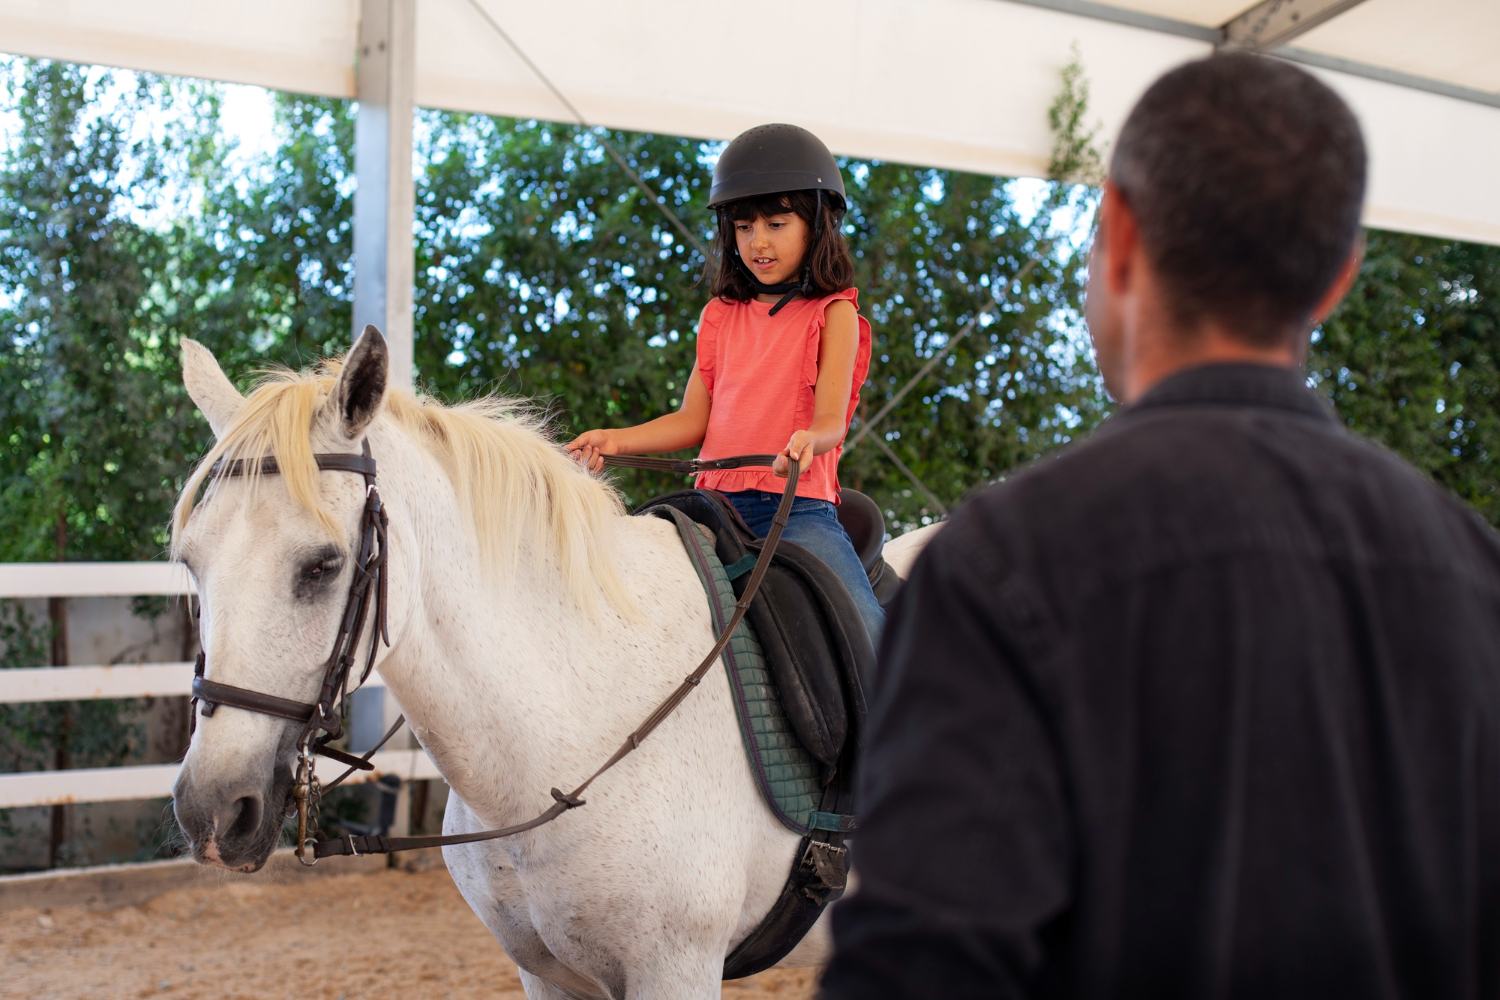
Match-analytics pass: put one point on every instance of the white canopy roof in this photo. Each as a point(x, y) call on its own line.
point(951, 83)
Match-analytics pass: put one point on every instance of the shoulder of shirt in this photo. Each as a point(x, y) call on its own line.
point(1061, 496)
point(1041, 524)
point(1062, 501)
point(841, 307)
point(715, 310)
point(832, 299)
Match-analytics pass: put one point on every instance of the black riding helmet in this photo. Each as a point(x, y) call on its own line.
point(770, 159)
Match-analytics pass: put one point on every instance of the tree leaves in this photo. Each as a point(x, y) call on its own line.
point(1412, 359)
point(541, 271)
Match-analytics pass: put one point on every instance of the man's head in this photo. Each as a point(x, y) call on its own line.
point(1230, 220)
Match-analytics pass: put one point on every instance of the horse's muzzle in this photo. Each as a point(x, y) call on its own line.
point(234, 827)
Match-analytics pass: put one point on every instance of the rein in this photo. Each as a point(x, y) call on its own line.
point(322, 721)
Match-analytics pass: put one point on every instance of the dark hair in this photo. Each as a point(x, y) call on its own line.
point(1246, 176)
point(827, 264)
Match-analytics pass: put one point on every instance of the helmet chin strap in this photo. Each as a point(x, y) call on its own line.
point(788, 290)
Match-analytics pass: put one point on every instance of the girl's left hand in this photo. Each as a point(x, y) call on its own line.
point(799, 447)
point(590, 447)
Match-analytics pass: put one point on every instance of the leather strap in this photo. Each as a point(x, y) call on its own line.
point(369, 572)
point(364, 465)
point(359, 763)
point(212, 694)
point(687, 466)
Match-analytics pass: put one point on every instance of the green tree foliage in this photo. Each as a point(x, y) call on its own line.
point(76, 407)
point(1412, 359)
point(264, 273)
point(542, 272)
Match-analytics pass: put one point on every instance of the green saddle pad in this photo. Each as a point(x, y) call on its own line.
point(787, 775)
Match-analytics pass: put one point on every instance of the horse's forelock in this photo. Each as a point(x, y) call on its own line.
point(276, 420)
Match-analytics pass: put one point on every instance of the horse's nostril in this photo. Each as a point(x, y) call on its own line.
point(244, 817)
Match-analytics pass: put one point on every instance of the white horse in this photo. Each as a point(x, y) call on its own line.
point(532, 625)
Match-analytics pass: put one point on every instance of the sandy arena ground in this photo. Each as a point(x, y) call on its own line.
point(393, 933)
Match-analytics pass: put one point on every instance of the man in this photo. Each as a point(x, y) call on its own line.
point(1209, 704)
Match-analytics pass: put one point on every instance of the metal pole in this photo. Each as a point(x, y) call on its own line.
point(384, 258)
point(384, 200)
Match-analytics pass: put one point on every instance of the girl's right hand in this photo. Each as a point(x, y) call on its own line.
point(590, 447)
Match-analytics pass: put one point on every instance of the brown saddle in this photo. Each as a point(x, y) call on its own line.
point(816, 653)
point(865, 525)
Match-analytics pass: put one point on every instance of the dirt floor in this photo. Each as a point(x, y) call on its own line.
point(390, 934)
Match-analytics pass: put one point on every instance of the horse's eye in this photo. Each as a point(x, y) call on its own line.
point(314, 573)
point(322, 569)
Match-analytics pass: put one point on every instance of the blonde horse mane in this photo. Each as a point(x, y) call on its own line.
point(514, 483)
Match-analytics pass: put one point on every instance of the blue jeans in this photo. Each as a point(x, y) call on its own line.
point(814, 525)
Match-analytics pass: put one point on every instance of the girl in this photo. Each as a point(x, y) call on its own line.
point(782, 349)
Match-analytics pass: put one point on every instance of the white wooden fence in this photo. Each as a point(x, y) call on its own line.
point(76, 683)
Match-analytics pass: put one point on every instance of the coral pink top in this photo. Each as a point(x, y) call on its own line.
point(761, 372)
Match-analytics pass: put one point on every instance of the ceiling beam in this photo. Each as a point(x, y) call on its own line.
point(1381, 74)
point(1129, 18)
point(1304, 22)
point(1272, 23)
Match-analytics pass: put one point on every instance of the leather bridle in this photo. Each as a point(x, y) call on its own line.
point(322, 721)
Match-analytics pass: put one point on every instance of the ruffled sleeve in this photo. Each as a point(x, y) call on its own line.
point(862, 349)
point(709, 323)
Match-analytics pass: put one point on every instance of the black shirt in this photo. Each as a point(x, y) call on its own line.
point(1207, 705)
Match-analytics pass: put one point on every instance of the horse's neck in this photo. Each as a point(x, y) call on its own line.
point(493, 674)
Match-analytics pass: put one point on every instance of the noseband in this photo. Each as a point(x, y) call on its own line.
point(322, 720)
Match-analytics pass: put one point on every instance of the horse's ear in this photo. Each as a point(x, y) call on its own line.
point(361, 388)
point(215, 396)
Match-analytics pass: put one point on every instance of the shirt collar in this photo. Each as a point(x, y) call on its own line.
point(1236, 384)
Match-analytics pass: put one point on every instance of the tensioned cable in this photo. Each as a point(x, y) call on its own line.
point(866, 426)
point(614, 154)
point(911, 476)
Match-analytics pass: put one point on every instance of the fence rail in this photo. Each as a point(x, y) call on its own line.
point(94, 579)
point(138, 680)
point(119, 680)
point(153, 781)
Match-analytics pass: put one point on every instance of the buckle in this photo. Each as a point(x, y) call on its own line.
point(829, 864)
